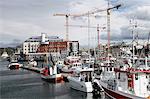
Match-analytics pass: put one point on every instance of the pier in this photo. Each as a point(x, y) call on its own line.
point(35, 69)
point(38, 70)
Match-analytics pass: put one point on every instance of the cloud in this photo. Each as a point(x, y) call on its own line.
point(9, 40)
point(21, 19)
point(141, 13)
point(13, 43)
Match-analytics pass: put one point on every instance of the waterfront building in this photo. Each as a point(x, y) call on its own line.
point(31, 45)
point(63, 47)
point(37, 46)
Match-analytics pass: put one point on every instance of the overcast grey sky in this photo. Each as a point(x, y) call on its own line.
point(21, 19)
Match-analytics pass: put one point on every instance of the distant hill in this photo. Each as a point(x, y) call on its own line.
point(6, 45)
point(9, 50)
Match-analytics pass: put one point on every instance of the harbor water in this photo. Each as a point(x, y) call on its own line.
point(24, 84)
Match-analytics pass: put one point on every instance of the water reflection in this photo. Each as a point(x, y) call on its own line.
point(23, 84)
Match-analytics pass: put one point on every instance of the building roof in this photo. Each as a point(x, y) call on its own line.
point(39, 38)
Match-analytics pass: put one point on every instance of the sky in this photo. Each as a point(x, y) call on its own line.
point(21, 19)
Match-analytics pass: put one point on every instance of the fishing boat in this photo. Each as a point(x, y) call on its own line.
point(60, 64)
point(87, 58)
point(14, 65)
point(52, 78)
point(82, 79)
point(32, 63)
point(71, 63)
point(50, 73)
point(71, 68)
point(127, 82)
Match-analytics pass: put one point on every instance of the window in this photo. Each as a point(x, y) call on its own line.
point(119, 76)
point(110, 69)
point(136, 76)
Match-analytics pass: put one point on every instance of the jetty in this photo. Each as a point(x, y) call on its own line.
point(38, 70)
point(35, 69)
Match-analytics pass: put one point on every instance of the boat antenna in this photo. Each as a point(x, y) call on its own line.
point(148, 38)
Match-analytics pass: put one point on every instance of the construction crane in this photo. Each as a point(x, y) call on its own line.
point(88, 14)
point(108, 9)
point(97, 27)
point(66, 15)
point(67, 22)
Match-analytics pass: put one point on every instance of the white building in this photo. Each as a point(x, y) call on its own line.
point(31, 45)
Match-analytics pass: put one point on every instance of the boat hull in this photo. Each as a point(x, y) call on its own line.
point(80, 85)
point(118, 94)
point(66, 70)
point(14, 66)
point(114, 94)
point(53, 78)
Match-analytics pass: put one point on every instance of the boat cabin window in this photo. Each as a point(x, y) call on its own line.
point(86, 76)
point(110, 69)
point(119, 76)
point(107, 69)
point(136, 76)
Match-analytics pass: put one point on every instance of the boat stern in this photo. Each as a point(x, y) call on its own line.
point(89, 87)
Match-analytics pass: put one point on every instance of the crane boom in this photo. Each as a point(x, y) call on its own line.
point(83, 14)
point(97, 11)
point(97, 27)
point(85, 26)
point(66, 16)
point(67, 22)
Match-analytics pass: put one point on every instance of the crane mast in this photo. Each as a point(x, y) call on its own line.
point(67, 29)
point(108, 29)
point(67, 22)
point(88, 14)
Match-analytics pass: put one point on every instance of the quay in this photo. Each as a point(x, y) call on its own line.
point(35, 69)
point(38, 70)
point(65, 75)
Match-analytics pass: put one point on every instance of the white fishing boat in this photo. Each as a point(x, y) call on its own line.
point(87, 58)
point(71, 63)
point(14, 65)
point(32, 63)
point(71, 68)
point(126, 82)
point(82, 80)
point(60, 64)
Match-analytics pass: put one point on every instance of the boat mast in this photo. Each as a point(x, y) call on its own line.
point(108, 31)
point(98, 42)
point(133, 25)
point(133, 44)
point(148, 38)
point(88, 33)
